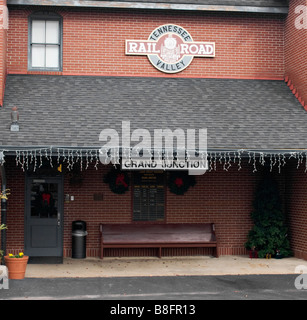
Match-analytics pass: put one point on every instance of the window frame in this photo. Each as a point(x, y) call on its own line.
point(46, 16)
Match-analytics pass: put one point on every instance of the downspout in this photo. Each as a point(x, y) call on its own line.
point(3, 209)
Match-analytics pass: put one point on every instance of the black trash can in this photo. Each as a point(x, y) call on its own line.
point(79, 234)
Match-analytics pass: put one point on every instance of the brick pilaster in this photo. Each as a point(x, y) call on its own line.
point(295, 49)
point(3, 47)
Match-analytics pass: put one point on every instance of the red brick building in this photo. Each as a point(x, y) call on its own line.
point(67, 68)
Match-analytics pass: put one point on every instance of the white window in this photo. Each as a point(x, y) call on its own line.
point(45, 44)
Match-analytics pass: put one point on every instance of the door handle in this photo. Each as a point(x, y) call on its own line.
point(59, 219)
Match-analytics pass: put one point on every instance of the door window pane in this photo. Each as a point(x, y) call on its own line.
point(44, 200)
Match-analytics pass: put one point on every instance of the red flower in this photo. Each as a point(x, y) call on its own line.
point(178, 182)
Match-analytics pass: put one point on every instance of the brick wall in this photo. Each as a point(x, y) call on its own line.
point(295, 51)
point(220, 197)
point(247, 45)
point(224, 198)
point(15, 208)
point(296, 71)
point(297, 210)
point(3, 48)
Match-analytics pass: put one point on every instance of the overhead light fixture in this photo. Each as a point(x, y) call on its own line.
point(2, 158)
point(14, 119)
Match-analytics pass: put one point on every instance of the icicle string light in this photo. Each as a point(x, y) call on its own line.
point(33, 159)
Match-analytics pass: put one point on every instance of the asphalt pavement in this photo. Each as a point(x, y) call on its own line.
point(167, 289)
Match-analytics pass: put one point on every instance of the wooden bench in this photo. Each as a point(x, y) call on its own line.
point(158, 236)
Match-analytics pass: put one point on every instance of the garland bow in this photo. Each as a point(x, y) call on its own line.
point(180, 182)
point(118, 181)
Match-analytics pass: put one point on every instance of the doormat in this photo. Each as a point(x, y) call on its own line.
point(45, 260)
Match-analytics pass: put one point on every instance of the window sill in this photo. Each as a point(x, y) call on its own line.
point(48, 72)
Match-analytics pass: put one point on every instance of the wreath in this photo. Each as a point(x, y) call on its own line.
point(118, 181)
point(180, 182)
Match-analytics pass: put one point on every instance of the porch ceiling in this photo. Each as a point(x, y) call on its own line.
point(258, 6)
point(71, 111)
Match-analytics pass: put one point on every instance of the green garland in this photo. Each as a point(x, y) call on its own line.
point(118, 181)
point(180, 182)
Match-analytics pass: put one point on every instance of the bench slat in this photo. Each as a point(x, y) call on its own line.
point(157, 238)
point(157, 228)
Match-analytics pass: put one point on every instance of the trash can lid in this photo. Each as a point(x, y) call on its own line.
point(78, 225)
point(79, 233)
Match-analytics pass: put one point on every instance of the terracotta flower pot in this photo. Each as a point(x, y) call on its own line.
point(16, 266)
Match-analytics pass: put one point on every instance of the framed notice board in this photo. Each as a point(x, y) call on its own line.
point(148, 195)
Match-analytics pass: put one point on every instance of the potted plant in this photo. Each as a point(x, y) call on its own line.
point(16, 265)
point(253, 253)
point(278, 255)
point(269, 233)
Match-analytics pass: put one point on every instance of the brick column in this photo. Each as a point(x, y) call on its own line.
point(3, 47)
point(296, 50)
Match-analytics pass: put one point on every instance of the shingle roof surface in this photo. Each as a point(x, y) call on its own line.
point(72, 110)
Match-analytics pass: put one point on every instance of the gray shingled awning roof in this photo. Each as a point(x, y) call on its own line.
point(63, 111)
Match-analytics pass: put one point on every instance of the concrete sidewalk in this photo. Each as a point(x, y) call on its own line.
point(167, 266)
